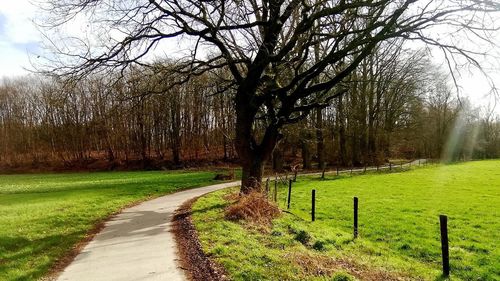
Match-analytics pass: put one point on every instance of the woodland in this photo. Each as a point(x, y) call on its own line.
point(397, 105)
point(261, 83)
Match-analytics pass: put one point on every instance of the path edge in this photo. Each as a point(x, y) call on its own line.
point(191, 257)
point(61, 263)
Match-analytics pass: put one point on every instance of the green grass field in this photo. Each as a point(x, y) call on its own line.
point(399, 228)
point(43, 216)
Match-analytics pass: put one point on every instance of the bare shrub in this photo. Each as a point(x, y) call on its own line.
point(252, 207)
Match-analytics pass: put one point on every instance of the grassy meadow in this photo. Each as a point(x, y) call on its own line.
point(43, 216)
point(398, 223)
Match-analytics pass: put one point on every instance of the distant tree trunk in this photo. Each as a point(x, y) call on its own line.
point(175, 136)
point(277, 160)
point(306, 155)
point(371, 141)
point(372, 149)
point(224, 127)
point(224, 144)
point(354, 150)
point(111, 155)
point(320, 147)
point(342, 134)
point(142, 137)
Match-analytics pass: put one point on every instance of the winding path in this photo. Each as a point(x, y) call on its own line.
point(136, 244)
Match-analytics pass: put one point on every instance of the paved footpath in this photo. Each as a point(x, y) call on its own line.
point(136, 244)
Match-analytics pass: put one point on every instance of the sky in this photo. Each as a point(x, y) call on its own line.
point(18, 37)
point(20, 44)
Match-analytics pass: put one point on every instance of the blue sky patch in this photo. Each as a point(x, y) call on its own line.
point(3, 23)
point(30, 47)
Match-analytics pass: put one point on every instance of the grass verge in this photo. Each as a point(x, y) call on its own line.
point(399, 228)
point(42, 217)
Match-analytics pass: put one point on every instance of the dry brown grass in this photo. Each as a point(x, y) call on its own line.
point(314, 265)
point(253, 207)
point(232, 196)
point(320, 265)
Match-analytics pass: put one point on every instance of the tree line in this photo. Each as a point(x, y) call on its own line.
point(44, 120)
point(280, 61)
point(396, 104)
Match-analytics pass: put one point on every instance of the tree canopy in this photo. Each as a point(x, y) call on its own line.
point(285, 57)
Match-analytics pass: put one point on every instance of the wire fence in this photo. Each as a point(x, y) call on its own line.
point(288, 180)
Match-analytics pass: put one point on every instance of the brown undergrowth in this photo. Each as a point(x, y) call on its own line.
point(320, 265)
point(198, 266)
point(253, 207)
point(255, 214)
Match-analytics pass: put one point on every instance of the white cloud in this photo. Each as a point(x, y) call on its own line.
point(19, 27)
point(13, 61)
point(18, 37)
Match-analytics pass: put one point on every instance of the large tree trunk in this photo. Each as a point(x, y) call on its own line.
point(253, 155)
point(253, 158)
point(252, 173)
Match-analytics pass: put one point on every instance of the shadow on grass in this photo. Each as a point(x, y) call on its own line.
point(21, 259)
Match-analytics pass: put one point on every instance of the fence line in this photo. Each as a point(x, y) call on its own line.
point(443, 219)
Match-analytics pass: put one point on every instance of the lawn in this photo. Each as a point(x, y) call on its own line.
point(398, 223)
point(43, 216)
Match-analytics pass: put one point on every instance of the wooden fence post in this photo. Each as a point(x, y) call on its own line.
point(337, 170)
point(313, 205)
point(390, 166)
point(355, 217)
point(295, 176)
point(323, 174)
point(289, 194)
point(443, 222)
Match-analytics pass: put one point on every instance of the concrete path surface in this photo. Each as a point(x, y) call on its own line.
point(136, 244)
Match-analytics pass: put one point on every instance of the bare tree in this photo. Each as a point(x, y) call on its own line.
point(268, 47)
